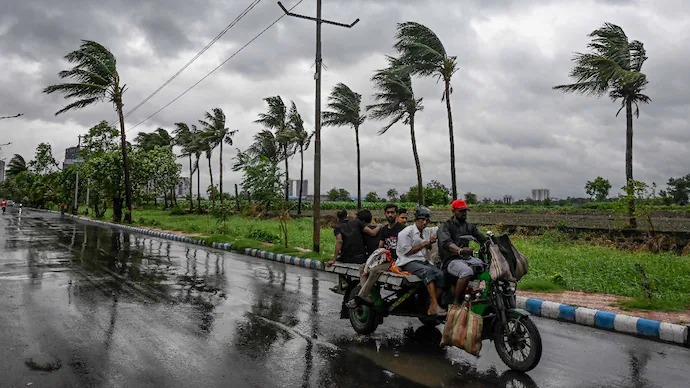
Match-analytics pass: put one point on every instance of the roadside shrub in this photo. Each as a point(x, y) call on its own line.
point(262, 235)
point(177, 211)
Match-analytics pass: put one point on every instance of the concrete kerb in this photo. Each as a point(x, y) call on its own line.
point(621, 323)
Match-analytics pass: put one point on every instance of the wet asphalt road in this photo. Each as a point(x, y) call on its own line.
point(103, 308)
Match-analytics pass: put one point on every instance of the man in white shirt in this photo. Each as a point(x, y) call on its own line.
point(412, 249)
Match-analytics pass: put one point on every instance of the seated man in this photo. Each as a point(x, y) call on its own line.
point(411, 251)
point(455, 252)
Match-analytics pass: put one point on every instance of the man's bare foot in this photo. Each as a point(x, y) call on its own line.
point(436, 310)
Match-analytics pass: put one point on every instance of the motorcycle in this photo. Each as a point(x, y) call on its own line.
point(515, 336)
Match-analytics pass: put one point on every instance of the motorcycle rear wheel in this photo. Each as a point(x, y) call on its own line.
point(520, 348)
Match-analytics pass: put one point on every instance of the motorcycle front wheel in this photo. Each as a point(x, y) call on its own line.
point(519, 344)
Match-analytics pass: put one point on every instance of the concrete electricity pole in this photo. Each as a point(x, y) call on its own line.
point(317, 118)
point(76, 184)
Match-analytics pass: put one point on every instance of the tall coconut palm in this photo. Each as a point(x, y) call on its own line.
point(344, 105)
point(395, 100)
point(96, 79)
point(301, 139)
point(207, 142)
point(16, 166)
point(421, 49)
point(184, 139)
point(215, 122)
point(613, 65)
point(276, 118)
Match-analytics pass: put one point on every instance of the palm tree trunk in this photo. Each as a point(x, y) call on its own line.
point(191, 190)
point(198, 186)
point(420, 192)
point(359, 171)
point(213, 195)
point(125, 161)
point(301, 178)
point(221, 172)
point(451, 137)
point(287, 175)
point(629, 163)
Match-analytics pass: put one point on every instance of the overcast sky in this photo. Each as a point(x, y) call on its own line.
point(513, 132)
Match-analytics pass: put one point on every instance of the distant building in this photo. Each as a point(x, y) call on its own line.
point(508, 199)
point(71, 157)
point(2, 170)
point(540, 194)
point(293, 189)
point(183, 187)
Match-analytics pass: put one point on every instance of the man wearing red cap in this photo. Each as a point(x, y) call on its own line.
point(455, 251)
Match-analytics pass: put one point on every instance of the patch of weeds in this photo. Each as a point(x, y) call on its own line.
point(559, 280)
point(262, 235)
point(177, 211)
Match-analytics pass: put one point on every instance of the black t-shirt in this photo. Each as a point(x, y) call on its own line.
point(371, 243)
point(353, 250)
point(389, 236)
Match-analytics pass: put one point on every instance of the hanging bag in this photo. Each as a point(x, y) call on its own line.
point(463, 329)
point(499, 268)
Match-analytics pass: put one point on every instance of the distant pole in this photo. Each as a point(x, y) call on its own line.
point(76, 184)
point(317, 118)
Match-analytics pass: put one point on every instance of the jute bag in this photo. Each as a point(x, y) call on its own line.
point(499, 269)
point(463, 329)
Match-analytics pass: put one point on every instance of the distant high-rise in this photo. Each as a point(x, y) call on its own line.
point(2, 170)
point(540, 194)
point(71, 156)
point(293, 189)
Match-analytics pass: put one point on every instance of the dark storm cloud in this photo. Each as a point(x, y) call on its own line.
point(513, 132)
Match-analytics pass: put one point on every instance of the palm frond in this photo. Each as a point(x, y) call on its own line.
point(78, 104)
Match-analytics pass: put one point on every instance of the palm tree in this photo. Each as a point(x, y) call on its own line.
point(184, 139)
point(613, 65)
point(96, 79)
point(215, 122)
point(266, 144)
point(301, 139)
point(395, 100)
point(344, 105)
point(16, 166)
point(421, 49)
point(207, 143)
point(158, 138)
point(276, 118)
point(197, 146)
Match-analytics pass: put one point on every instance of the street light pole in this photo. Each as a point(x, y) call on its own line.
point(317, 118)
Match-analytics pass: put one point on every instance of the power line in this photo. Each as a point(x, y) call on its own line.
point(216, 68)
point(251, 6)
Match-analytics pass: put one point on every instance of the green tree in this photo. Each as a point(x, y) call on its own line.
point(679, 189)
point(395, 100)
point(422, 50)
point(470, 198)
point(158, 138)
point(215, 122)
point(392, 195)
point(96, 79)
point(302, 139)
point(16, 165)
point(613, 65)
point(276, 118)
point(345, 110)
point(184, 138)
point(598, 189)
point(372, 197)
point(264, 181)
point(43, 162)
point(338, 195)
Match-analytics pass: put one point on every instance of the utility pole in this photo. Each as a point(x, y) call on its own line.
point(317, 118)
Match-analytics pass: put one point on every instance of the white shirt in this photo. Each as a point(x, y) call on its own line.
point(407, 238)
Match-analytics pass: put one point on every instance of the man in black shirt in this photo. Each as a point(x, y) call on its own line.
point(388, 239)
point(455, 252)
point(349, 244)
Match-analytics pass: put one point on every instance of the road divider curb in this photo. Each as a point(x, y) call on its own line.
point(621, 323)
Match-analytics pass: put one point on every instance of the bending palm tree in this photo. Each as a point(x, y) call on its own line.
point(344, 105)
point(96, 79)
point(301, 139)
point(16, 166)
point(421, 49)
point(614, 66)
point(159, 138)
point(396, 100)
point(215, 122)
point(276, 118)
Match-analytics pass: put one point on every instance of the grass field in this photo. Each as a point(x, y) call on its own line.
point(556, 262)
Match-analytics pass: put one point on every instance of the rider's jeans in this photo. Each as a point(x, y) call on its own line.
point(369, 281)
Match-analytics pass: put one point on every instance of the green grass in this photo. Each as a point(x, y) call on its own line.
point(556, 262)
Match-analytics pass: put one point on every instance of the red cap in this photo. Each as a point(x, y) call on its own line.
point(458, 204)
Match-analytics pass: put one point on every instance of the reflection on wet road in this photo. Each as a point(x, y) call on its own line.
point(89, 306)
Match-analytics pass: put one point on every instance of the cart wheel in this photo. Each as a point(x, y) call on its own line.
point(363, 318)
